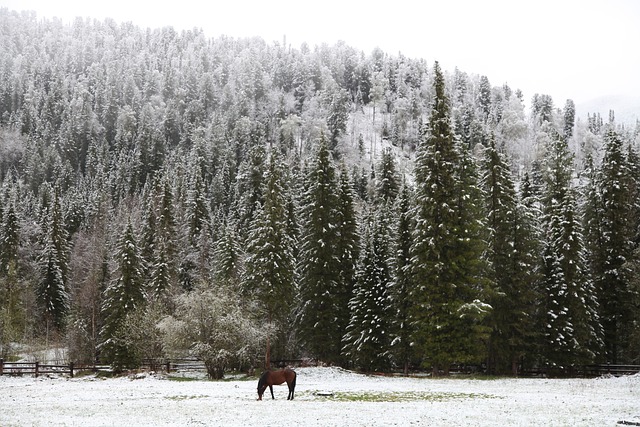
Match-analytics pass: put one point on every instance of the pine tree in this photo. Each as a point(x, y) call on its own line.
point(228, 256)
point(367, 339)
point(269, 275)
point(157, 243)
point(510, 249)
point(9, 238)
point(197, 213)
point(337, 117)
point(568, 311)
point(612, 213)
point(445, 251)
point(122, 297)
point(319, 264)
point(387, 182)
point(569, 119)
point(347, 244)
point(52, 291)
point(12, 318)
point(401, 288)
point(249, 187)
point(484, 98)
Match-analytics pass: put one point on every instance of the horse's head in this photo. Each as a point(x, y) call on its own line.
point(262, 385)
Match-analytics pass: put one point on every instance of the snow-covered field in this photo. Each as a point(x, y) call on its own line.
point(355, 400)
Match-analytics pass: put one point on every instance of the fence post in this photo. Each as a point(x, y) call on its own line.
point(36, 368)
point(1, 366)
point(71, 369)
point(168, 366)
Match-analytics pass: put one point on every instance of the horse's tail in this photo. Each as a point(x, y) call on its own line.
point(295, 377)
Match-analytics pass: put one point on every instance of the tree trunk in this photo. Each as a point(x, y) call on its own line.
point(514, 365)
point(267, 355)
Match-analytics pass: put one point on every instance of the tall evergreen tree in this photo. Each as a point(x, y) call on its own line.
point(319, 264)
point(444, 247)
point(228, 257)
point(269, 274)
point(52, 291)
point(367, 339)
point(121, 298)
point(197, 213)
point(613, 212)
point(568, 311)
point(337, 117)
point(249, 187)
point(569, 119)
point(158, 248)
point(387, 181)
point(401, 288)
point(9, 238)
point(512, 267)
point(347, 244)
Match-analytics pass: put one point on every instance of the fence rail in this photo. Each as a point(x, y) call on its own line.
point(35, 368)
point(184, 365)
point(587, 371)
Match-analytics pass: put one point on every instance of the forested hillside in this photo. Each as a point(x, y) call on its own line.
point(167, 193)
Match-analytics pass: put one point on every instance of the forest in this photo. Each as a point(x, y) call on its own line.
point(166, 194)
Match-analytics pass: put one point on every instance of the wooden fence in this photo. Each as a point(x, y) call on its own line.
point(185, 365)
point(173, 365)
point(586, 371)
point(35, 368)
point(38, 368)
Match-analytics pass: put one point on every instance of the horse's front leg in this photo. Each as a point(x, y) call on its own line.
point(272, 396)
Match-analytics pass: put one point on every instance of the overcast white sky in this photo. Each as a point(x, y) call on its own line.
point(578, 49)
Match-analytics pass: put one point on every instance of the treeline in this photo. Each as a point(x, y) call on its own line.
point(167, 193)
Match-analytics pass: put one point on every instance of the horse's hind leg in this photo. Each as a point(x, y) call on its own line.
point(272, 396)
point(292, 387)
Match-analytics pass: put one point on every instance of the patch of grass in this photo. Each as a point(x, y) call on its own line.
point(402, 396)
point(234, 376)
point(184, 397)
point(106, 374)
point(227, 378)
point(182, 379)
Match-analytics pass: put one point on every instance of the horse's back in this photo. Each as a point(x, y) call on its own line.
point(278, 377)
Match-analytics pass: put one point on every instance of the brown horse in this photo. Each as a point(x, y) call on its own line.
point(271, 378)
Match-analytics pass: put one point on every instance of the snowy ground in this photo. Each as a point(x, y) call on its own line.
point(358, 400)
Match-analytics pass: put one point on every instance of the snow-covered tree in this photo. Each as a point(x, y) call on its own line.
point(52, 291)
point(269, 274)
point(337, 117)
point(401, 287)
point(611, 208)
point(347, 244)
point(249, 184)
point(228, 256)
point(367, 341)
point(123, 295)
point(446, 250)
point(9, 237)
point(568, 315)
point(387, 180)
point(12, 304)
point(511, 255)
point(321, 296)
point(211, 325)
